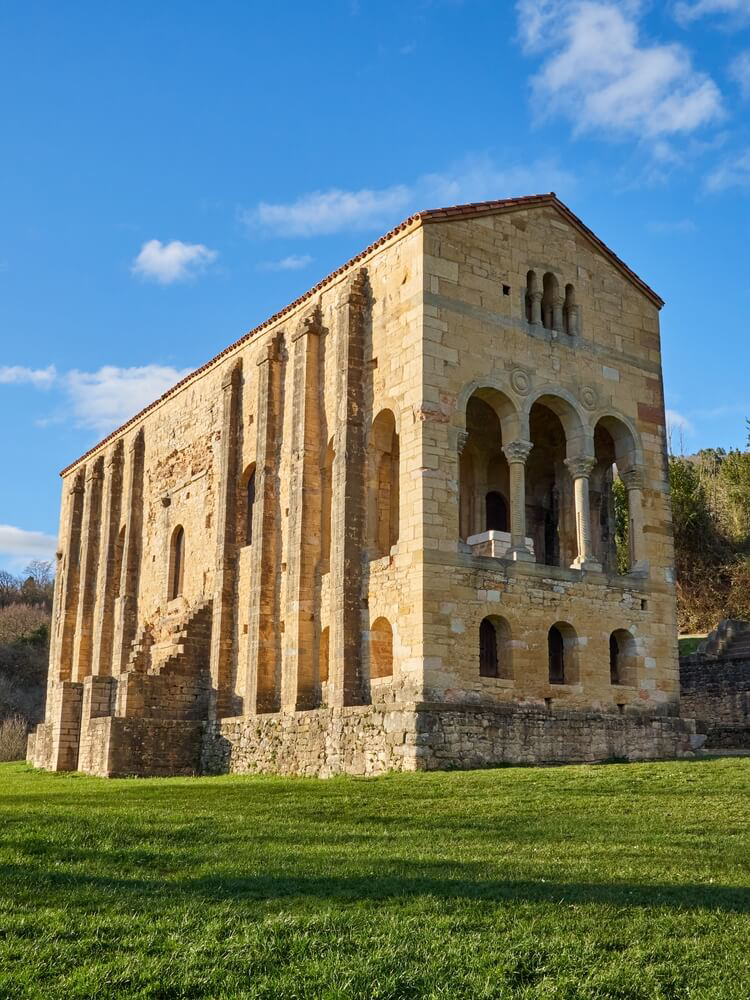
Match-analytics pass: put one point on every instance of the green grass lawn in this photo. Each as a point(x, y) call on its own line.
point(627, 881)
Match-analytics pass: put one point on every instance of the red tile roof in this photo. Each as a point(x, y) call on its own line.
point(469, 211)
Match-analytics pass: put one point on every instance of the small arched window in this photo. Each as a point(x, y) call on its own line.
point(556, 656)
point(496, 511)
point(249, 507)
point(622, 659)
point(550, 302)
point(177, 561)
point(487, 649)
point(381, 648)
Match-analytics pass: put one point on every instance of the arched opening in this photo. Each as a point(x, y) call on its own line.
point(495, 648)
point(381, 648)
point(249, 505)
point(623, 662)
point(561, 654)
point(177, 562)
point(325, 513)
point(550, 291)
point(611, 520)
point(496, 511)
point(384, 484)
point(550, 513)
point(570, 311)
point(483, 468)
point(324, 654)
point(532, 287)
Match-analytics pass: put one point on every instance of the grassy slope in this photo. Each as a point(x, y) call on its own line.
point(627, 881)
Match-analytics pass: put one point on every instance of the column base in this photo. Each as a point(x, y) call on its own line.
point(520, 555)
point(590, 565)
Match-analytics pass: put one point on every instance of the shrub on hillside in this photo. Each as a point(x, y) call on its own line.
point(13, 738)
point(23, 623)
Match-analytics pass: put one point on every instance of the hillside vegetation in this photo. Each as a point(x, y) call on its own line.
point(711, 513)
point(623, 881)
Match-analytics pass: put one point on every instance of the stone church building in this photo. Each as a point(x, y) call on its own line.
point(378, 532)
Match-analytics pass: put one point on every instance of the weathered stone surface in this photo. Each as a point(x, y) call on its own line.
point(273, 558)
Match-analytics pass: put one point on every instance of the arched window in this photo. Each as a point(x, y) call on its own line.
point(381, 648)
point(532, 303)
point(495, 648)
point(496, 510)
point(570, 311)
point(177, 562)
point(556, 654)
point(384, 484)
point(622, 659)
point(549, 301)
point(249, 507)
point(324, 654)
point(561, 654)
point(487, 649)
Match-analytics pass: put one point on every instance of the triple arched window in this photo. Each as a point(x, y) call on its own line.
point(546, 306)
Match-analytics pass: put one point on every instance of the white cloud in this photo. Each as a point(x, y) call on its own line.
point(732, 172)
point(100, 400)
point(601, 75)
point(686, 13)
point(104, 399)
point(294, 262)
point(678, 421)
point(42, 378)
point(739, 70)
point(21, 546)
point(167, 263)
point(476, 178)
point(323, 212)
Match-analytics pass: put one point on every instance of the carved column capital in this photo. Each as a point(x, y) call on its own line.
point(517, 451)
point(462, 439)
point(632, 477)
point(580, 466)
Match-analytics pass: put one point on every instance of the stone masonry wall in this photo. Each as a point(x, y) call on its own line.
point(716, 692)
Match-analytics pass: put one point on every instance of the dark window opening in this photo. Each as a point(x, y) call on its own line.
point(178, 547)
point(250, 504)
point(556, 652)
point(614, 660)
point(487, 649)
point(506, 289)
point(496, 511)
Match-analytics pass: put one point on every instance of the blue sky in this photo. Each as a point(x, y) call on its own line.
point(173, 173)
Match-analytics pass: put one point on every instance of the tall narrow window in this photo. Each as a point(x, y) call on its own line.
point(381, 648)
point(556, 655)
point(325, 512)
point(623, 659)
point(178, 561)
point(249, 507)
point(487, 649)
point(384, 484)
point(614, 658)
point(324, 654)
point(496, 511)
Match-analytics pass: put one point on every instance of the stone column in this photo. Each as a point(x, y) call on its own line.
point(557, 313)
point(580, 469)
point(348, 497)
point(302, 682)
point(101, 663)
point(126, 605)
point(573, 320)
point(516, 453)
point(90, 535)
point(227, 549)
point(536, 307)
point(633, 480)
point(63, 667)
point(263, 685)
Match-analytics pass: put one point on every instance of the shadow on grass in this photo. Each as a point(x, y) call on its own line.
point(357, 888)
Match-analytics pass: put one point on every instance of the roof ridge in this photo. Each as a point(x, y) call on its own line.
point(467, 210)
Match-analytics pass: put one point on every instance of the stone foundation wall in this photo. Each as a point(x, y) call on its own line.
point(717, 693)
point(118, 748)
point(373, 740)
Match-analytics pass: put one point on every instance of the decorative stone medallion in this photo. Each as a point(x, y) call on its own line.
point(521, 381)
point(588, 397)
